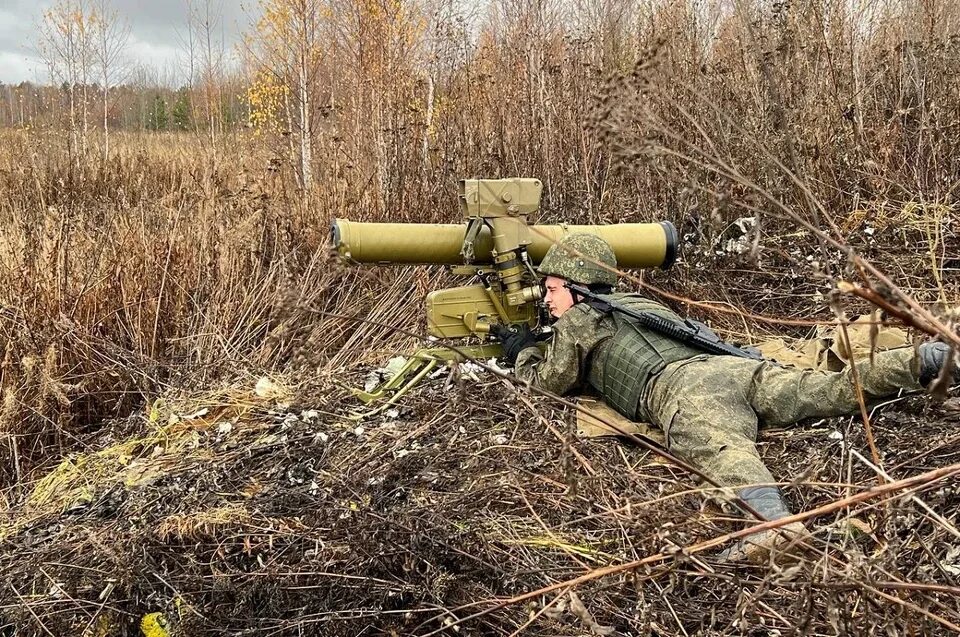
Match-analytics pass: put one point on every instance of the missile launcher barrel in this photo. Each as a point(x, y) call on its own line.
point(637, 245)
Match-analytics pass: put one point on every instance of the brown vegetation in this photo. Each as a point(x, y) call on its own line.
point(185, 259)
point(255, 512)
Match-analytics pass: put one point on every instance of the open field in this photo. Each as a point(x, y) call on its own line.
point(148, 292)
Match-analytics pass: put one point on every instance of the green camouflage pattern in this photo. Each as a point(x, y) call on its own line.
point(622, 364)
point(563, 366)
point(576, 257)
point(710, 407)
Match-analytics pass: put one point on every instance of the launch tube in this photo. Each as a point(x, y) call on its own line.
point(637, 245)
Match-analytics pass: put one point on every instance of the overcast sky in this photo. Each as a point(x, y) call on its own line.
point(158, 29)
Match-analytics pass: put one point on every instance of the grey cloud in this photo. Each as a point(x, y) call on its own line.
point(18, 60)
point(165, 23)
point(158, 31)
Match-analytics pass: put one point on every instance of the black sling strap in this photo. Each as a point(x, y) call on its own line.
point(689, 332)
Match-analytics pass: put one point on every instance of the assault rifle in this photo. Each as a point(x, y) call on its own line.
point(690, 332)
point(498, 246)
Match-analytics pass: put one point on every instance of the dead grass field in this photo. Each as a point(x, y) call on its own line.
point(138, 292)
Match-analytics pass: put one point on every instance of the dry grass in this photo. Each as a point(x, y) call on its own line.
point(160, 269)
point(281, 517)
point(176, 265)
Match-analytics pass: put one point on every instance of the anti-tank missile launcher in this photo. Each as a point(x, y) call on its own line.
point(500, 247)
point(497, 244)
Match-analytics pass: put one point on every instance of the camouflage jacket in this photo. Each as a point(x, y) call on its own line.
point(563, 366)
point(582, 352)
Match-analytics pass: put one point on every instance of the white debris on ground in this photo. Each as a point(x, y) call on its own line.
point(470, 370)
point(740, 243)
point(951, 561)
point(384, 374)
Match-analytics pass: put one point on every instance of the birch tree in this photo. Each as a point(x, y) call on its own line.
point(287, 50)
point(111, 34)
point(66, 46)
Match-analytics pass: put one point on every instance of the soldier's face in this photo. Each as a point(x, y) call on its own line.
point(558, 298)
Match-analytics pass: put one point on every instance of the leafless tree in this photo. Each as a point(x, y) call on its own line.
point(205, 31)
point(606, 25)
point(66, 44)
point(111, 34)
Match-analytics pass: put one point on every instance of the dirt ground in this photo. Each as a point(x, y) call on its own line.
point(264, 509)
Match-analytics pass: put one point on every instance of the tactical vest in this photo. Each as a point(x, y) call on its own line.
point(622, 364)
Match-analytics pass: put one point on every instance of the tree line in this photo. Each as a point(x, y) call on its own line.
point(360, 95)
point(130, 108)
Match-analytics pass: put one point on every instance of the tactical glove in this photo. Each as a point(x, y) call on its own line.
point(514, 339)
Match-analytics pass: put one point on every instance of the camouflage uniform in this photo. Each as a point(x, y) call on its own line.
point(710, 406)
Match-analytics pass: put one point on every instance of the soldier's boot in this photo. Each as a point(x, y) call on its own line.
point(933, 356)
point(758, 547)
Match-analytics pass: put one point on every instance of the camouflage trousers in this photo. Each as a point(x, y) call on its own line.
point(710, 407)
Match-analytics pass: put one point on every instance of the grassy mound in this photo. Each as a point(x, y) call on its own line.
point(266, 509)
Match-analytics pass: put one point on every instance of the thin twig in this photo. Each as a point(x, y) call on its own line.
point(830, 507)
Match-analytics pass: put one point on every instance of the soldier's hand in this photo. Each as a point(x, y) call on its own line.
point(514, 339)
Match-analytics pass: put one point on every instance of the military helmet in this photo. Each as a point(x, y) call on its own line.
point(579, 257)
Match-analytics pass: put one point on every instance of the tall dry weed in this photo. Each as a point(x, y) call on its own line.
point(170, 263)
point(157, 269)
